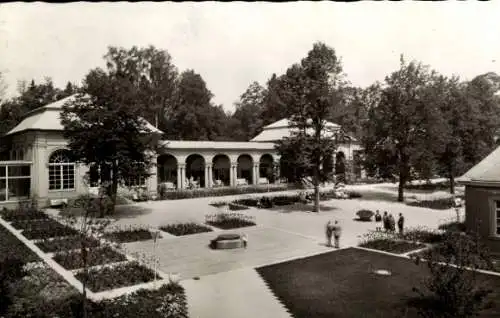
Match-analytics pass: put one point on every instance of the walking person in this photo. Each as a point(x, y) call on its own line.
point(401, 222)
point(337, 231)
point(385, 220)
point(392, 223)
point(378, 219)
point(328, 232)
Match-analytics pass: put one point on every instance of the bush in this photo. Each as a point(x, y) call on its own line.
point(422, 234)
point(117, 276)
point(248, 202)
point(354, 194)
point(128, 235)
point(23, 214)
point(185, 229)
point(438, 204)
point(444, 185)
point(229, 220)
point(365, 215)
point(391, 245)
point(285, 200)
point(33, 230)
point(237, 207)
point(213, 192)
point(65, 244)
point(453, 226)
point(12, 247)
point(11, 271)
point(99, 256)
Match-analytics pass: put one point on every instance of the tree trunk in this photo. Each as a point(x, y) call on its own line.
point(316, 190)
point(452, 182)
point(114, 187)
point(402, 181)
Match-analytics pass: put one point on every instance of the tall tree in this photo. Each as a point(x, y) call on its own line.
point(399, 127)
point(247, 116)
point(314, 88)
point(274, 107)
point(103, 126)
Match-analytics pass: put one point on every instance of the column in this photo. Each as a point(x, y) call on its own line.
point(255, 174)
point(277, 177)
point(179, 177)
point(233, 174)
point(182, 175)
point(208, 175)
point(152, 182)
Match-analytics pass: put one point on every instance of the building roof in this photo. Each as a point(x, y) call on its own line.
point(48, 117)
point(487, 170)
point(282, 128)
point(191, 144)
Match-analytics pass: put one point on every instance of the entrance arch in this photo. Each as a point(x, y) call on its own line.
point(266, 167)
point(221, 166)
point(167, 169)
point(245, 167)
point(195, 170)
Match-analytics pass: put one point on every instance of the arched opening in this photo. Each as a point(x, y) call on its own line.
point(221, 166)
point(61, 171)
point(266, 168)
point(167, 169)
point(245, 167)
point(195, 171)
point(340, 167)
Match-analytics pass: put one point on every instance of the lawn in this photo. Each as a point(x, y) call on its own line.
point(11, 246)
point(343, 284)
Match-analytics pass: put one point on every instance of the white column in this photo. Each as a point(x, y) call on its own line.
point(233, 174)
point(255, 174)
point(208, 175)
point(179, 177)
point(182, 170)
point(152, 181)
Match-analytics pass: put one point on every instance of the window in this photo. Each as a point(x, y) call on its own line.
point(15, 182)
point(497, 218)
point(61, 171)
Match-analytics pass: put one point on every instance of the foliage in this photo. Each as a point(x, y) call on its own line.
point(434, 186)
point(391, 245)
point(65, 244)
point(23, 214)
point(33, 230)
point(11, 271)
point(121, 275)
point(237, 207)
point(422, 234)
point(247, 201)
point(453, 226)
point(438, 204)
point(228, 221)
point(218, 204)
point(181, 229)
point(12, 247)
point(126, 235)
point(246, 122)
point(453, 289)
point(97, 256)
point(365, 215)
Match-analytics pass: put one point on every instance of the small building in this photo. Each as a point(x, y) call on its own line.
point(482, 199)
point(39, 164)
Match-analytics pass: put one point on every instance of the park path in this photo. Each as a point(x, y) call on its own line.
point(237, 294)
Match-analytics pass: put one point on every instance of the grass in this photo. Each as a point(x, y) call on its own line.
point(343, 284)
point(393, 246)
point(12, 247)
point(181, 229)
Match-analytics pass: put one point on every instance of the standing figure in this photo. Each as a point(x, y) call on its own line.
point(392, 223)
point(328, 232)
point(385, 220)
point(401, 222)
point(337, 231)
point(378, 219)
point(244, 238)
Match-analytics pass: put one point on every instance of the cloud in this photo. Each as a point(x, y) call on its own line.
point(234, 44)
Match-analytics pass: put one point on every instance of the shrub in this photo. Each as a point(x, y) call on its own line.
point(128, 235)
point(285, 200)
point(185, 229)
point(12, 247)
point(23, 214)
point(213, 192)
point(99, 256)
point(365, 215)
point(65, 244)
point(438, 204)
point(11, 271)
point(391, 245)
point(453, 226)
point(444, 185)
point(248, 202)
point(422, 234)
point(44, 229)
point(237, 207)
point(117, 276)
point(228, 221)
point(354, 194)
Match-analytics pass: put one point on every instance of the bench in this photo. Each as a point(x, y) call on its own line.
point(241, 182)
point(263, 181)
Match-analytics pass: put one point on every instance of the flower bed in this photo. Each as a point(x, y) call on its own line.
point(453, 226)
point(43, 229)
point(438, 204)
point(12, 247)
point(65, 244)
point(237, 207)
point(117, 276)
point(391, 245)
point(228, 221)
point(247, 201)
point(213, 192)
point(422, 234)
point(128, 235)
point(219, 204)
point(22, 215)
point(99, 256)
point(185, 229)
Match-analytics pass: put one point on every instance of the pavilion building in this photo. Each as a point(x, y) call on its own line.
point(39, 165)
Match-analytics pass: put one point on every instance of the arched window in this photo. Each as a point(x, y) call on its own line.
point(61, 171)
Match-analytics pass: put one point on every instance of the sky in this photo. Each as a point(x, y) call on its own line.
point(233, 44)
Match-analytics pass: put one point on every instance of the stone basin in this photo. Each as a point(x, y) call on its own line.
point(227, 241)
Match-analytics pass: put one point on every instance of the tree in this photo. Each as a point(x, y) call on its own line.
point(313, 88)
point(247, 116)
point(452, 290)
point(400, 127)
point(274, 107)
point(104, 127)
point(3, 87)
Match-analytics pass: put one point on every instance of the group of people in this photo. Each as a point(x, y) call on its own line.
point(389, 222)
point(333, 229)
